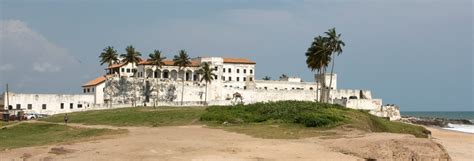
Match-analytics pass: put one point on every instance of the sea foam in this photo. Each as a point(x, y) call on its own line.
point(462, 128)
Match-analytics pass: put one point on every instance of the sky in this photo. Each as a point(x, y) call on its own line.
point(414, 53)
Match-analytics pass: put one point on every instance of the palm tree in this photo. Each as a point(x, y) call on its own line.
point(133, 57)
point(157, 60)
point(267, 78)
point(207, 75)
point(283, 76)
point(318, 58)
point(335, 46)
point(109, 56)
point(182, 60)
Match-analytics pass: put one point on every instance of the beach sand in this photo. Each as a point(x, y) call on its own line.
point(200, 143)
point(459, 145)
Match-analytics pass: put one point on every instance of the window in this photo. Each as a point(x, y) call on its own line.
point(245, 87)
point(245, 71)
point(44, 106)
point(223, 78)
point(92, 89)
point(215, 68)
point(18, 106)
point(79, 105)
point(237, 79)
point(84, 90)
point(128, 70)
point(30, 106)
point(251, 71)
point(229, 70)
point(311, 88)
point(230, 78)
point(223, 70)
point(62, 105)
point(250, 78)
point(265, 88)
point(88, 90)
point(238, 70)
point(215, 77)
point(245, 79)
point(71, 105)
point(123, 70)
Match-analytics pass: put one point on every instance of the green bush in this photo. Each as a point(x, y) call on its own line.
point(310, 114)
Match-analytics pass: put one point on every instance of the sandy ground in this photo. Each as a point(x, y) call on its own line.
point(200, 143)
point(459, 145)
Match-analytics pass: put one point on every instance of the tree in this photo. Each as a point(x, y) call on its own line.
point(335, 46)
point(133, 57)
point(182, 60)
point(207, 75)
point(283, 76)
point(267, 78)
point(157, 60)
point(318, 58)
point(109, 56)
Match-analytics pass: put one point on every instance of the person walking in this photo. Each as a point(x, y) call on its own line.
point(65, 119)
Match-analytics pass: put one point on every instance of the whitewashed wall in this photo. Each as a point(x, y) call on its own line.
point(52, 102)
point(365, 104)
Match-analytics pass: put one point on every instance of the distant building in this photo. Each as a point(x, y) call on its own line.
point(128, 84)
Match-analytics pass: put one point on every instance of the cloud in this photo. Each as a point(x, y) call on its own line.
point(258, 16)
point(22, 45)
point(6, 67)
point(30, 62)
point(45, 67)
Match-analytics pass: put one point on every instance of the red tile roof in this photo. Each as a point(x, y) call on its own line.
point(116, 65)
point(169, 63)
point(238, 61)
point(193, 62)
point(95, 82)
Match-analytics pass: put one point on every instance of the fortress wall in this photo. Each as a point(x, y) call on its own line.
point(52, 102)
point(338, 94)
point(365, 104)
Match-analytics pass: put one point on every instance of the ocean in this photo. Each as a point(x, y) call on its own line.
point(468, 115)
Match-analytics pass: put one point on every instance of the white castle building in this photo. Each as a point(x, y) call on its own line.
point(127, 84)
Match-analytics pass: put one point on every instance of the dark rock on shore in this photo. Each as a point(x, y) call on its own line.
point(440, 122)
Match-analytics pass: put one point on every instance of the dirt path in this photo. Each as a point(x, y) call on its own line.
point(200, 143)
point(181, 143)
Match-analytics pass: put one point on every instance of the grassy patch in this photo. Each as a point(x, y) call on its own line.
point(4, 123)
point(32, 134)
point(139, 116)
point(310, 114)
point(283, 119)
point(276, 130)
point(300, 113)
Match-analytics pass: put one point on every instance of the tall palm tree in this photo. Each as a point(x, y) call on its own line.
point(335, 46)
point(157, 60)
point(109, 55)
point(182, 60)
point(132, 56)
point(318, 58)
point(283, 76)
point(207, 75)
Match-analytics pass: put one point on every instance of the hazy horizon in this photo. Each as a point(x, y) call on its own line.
point(417, 54)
